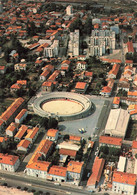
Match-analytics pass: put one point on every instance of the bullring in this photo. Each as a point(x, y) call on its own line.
point(63, 106)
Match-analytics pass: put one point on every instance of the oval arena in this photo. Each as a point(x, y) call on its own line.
point(63, 105)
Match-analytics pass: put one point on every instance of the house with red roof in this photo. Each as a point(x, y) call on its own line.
point(21, 116)
point(52, 134)
point(129, 63)
point(38, 169)
point(115, 142)
point(81, 65)
point(49, 67)
point(75, 138)
point(32, 135)
point(58, 173)
point(114, 71)
point(44, 75)
point(15, 87)
point(97, 170)
point(134, 147)
point(24, 146)
point(11, 130)
point(116, 102)
point(36, 166)
point(75, 171)
point(23, 83)
point(20, 66)
point(3, 69)
point(9, 162)
point(130, 47)
point(55, 75)
point(21, 133)
point(132, 94)
point(8, 115)
point(81, 87)
point(132, 110)
point(39, 62)
point(65, 153)
point(47, 86)
point(124, 183)
point(107, 90)
point(65, 66)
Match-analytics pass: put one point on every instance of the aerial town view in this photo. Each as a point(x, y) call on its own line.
point(68, 97)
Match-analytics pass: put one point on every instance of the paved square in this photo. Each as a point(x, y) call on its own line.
point(89, 123)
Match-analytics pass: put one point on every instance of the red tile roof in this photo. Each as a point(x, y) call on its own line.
point(110, 140)
point(8, 159)
point(80, 85)
point(22, 82)
point(130, 46)
point(15, 86)
point(45, 73)
point(52, 132)
point(2, 67)
point(75, 167)
point(31, 134)
point(21, 114)
point(88, 74)
point(74, 138)
point(24, 143)
point(11, 127)
point(39, 165)
point(43, 147)
point(96, 171)
point(59, 171)
point(115, 69)
point(22, 130)
point(12, 109)
point(134, 144)
point(111, 60)
point(116, 100)
point(124, 178)
point(132, 93)
point(68, 152)
point(47, 83)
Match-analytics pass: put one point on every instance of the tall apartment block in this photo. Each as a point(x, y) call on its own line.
point(101, 41)
point(73, 46)
point(53, 50)
point(69, 10)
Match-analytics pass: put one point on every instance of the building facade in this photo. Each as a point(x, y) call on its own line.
point(101, 41)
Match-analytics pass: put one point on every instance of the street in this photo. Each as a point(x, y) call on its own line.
point(16, 180)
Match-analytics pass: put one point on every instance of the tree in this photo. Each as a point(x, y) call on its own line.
point(44, 122)
point(104, 149)
point(77, 24)
point(114, 151)
point(66, 137)
point(55, 157)
point(136, 155)
point(87, 26)
point(52, 122)
point(84, 45)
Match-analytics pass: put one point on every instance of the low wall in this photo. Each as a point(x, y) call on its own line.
point(86, 103)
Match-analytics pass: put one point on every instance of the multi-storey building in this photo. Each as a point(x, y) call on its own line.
point(53, 50)
point(101, 41)
point(73, 46)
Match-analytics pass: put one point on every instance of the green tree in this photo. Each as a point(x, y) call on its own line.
point(104, 149)
point(44, 122)
point(114, 151)
point(77, 24)
point(66, 137)
point(136, 156)
point(87, 26)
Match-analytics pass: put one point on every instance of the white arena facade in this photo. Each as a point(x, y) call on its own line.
point(63, 106)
